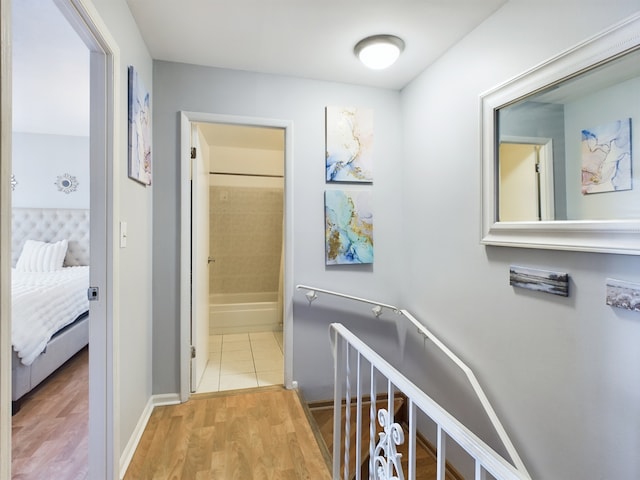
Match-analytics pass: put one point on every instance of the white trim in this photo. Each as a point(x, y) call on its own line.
point(105, 142)
point(185, 240)
point(136, 435)
point(165, 399)
point(5, 239)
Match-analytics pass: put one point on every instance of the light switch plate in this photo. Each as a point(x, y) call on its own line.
point(123, 234)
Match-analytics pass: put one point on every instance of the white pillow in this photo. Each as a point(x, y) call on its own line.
point(41, 256)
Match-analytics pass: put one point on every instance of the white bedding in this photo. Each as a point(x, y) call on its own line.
point(42, 303)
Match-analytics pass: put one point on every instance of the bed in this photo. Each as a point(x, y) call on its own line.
point(49, 302)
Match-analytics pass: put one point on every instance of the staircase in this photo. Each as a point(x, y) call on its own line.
point(359, 369)
point(426, 464)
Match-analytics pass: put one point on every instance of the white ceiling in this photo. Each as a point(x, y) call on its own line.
point(303, 38)
point(306, 38)
point(241, 136)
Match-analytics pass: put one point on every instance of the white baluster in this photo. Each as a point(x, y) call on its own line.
point(442, 454)
point(412, 439)
point(338, 354)
point(358, 419)
point(347, 415)
point(386, 458)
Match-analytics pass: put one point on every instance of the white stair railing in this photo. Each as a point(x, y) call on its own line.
point(377, 310)
point(357, 367)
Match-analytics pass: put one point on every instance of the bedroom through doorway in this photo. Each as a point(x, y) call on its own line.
point(62, 101)
point(50, 203)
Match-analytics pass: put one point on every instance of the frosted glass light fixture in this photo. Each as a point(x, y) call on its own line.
point(379, 51)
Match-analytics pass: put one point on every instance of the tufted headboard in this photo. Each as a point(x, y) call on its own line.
point(51, 225)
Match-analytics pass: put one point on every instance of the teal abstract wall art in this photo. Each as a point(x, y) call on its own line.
point(348, 227)
point(349, 144)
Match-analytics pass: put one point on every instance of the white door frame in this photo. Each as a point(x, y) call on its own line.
point(5, 240)
point(200, 173)
point(185, 237)
point(546, 186)
point(105, 95)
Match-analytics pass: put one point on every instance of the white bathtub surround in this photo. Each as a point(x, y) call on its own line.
point(243, 360)
point(233, 313)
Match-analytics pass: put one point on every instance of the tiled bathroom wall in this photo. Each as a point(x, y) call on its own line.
point(246, 239)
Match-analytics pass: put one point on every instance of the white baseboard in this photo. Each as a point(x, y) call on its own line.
point(132, 444)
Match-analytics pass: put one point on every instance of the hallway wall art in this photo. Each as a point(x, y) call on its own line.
point(349, 144)
point(139, 129)
point(348, 227)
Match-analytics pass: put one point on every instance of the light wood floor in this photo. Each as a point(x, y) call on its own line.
point(242, 435)
point(50, 432)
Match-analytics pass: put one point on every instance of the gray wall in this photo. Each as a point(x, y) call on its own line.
point(132, 265)
point(562, 373)
point(37, 162)
point(211, 90)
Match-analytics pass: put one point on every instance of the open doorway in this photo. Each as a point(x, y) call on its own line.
point(526, 191)
point(245, 256)
point(247, 182)
point(99, 462)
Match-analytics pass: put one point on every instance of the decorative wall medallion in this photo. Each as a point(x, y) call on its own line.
point(67, 183)
point(14, 182)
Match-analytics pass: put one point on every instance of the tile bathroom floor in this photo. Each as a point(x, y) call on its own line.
point(243, 360)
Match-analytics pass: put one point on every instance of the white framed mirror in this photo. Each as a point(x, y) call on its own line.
point(560, 150)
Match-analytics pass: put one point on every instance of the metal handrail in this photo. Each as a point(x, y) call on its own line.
point(493, 417)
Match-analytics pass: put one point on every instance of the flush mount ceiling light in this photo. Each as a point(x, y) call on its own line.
point(379, 51)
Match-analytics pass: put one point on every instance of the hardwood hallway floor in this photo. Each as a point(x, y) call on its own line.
point(241, 435)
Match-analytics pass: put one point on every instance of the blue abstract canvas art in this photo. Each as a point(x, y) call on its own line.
point(348, 227)
point(606, 157)
point(139, 130)
point(349, 144)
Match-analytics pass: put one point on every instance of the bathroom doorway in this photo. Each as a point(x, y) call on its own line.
point(246, 255)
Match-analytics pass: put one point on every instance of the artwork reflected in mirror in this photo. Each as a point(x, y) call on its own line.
point(559, 169)
point(565, 151)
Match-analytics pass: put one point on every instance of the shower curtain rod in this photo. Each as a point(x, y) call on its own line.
point(246, 174)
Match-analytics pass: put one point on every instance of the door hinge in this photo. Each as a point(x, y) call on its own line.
point(193, 351)
point(92, 293)
point(193, 152)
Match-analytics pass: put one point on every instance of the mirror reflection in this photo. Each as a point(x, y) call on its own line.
point(565, 152)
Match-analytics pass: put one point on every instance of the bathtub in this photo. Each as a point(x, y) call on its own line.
point(244, 312)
